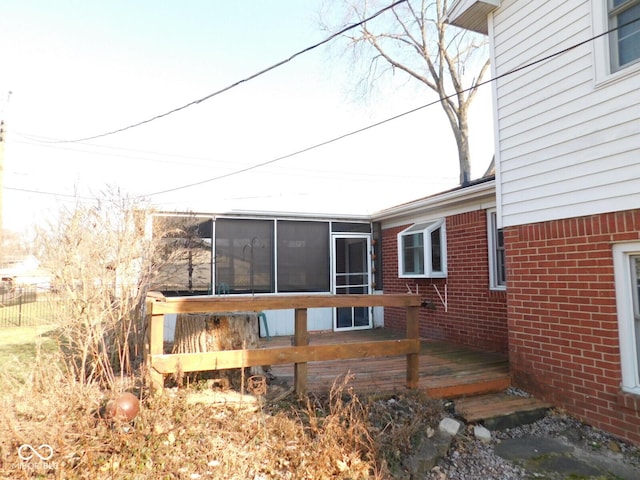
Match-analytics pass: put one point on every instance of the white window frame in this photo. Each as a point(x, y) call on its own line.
point(626, 301)
point(492, 241)
point(604, 72)
point(424, 228)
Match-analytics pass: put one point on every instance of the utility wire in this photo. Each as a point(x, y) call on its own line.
point(354, 132)
point(300, 172)
point(239, 82)
point(66, 195)
point(395, 117)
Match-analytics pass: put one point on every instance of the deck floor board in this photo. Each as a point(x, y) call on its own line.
point(446, 370)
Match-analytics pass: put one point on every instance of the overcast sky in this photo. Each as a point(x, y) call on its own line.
point(77, 69)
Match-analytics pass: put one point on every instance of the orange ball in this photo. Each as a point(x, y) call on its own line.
point(124, 407)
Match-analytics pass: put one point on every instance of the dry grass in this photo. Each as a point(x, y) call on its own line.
point(340, 436)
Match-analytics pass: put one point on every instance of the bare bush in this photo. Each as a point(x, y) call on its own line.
point(102, 263)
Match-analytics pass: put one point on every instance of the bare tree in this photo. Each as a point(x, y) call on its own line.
point(414, 38)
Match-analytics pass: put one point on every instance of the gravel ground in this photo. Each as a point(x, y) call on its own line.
point(471, 459)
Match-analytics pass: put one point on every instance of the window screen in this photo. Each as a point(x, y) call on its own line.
point(303, 256)
point(244, 255)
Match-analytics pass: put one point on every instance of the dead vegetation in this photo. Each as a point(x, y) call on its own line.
point(340, 436)
point(53, 396)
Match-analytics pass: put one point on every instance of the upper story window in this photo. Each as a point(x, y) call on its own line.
point(624, 42)
point(422, 251)
point(497, 257)
point(617, 54)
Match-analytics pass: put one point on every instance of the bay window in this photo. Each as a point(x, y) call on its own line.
point(422, 251)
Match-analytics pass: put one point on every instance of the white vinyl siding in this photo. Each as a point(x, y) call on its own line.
point(567, 146)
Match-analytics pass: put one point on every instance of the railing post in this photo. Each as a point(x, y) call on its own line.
point(156, 347)
point(300, 338)
point(413, 369)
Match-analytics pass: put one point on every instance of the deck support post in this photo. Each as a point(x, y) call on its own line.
point(300, 338)
point(156, 347)
point(412, 358)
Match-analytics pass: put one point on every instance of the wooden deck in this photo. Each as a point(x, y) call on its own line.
point(446, 370)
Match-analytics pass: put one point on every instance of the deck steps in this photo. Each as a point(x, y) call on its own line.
point(500, 410)
point(452, 387)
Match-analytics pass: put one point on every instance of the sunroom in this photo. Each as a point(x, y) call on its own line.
point(257, 253)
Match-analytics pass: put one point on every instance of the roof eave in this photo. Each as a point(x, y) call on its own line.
point(472, 14)
point(446, 199)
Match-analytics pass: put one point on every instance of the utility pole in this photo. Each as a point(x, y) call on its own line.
point(3, 134)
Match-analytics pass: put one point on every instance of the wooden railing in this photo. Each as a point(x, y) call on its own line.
point(300, 353)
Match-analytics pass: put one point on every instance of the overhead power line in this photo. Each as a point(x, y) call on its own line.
point(239, 82)
point(395, 117)
point(354, 132)
point(53, 194)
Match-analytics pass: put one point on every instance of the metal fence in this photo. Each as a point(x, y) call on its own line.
point(26, 306)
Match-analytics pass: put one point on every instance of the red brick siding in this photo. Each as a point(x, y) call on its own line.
point(563, 326)
point(476, 316)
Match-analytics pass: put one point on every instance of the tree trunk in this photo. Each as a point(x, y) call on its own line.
point(208, 332)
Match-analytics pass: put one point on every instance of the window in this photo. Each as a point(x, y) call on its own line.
point(617, 54)
point(244, 255)
point(273, 256)
point(185, 257)
point(497, 260)
point(422, 251)
point(626, 259)
point(350, 227)
point(624, 43)
point(303, 256)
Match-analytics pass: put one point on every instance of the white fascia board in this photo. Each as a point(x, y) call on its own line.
point(455, 201)
point(270, 214)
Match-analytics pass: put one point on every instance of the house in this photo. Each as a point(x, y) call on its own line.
point(567, 134)
point(447, 247)
point(24, 271)
point(450, 252)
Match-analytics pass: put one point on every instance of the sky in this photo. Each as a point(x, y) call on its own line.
point(77, 69)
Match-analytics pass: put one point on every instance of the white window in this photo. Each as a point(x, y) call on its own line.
point(497, 259)
point(616, 52)
point(422, 251)
point(624, 41)
point(626, 258)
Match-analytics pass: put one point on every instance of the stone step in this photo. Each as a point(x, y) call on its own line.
point(500, 410)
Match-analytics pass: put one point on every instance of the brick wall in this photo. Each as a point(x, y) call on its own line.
point(476, 316)
point(563, 326)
